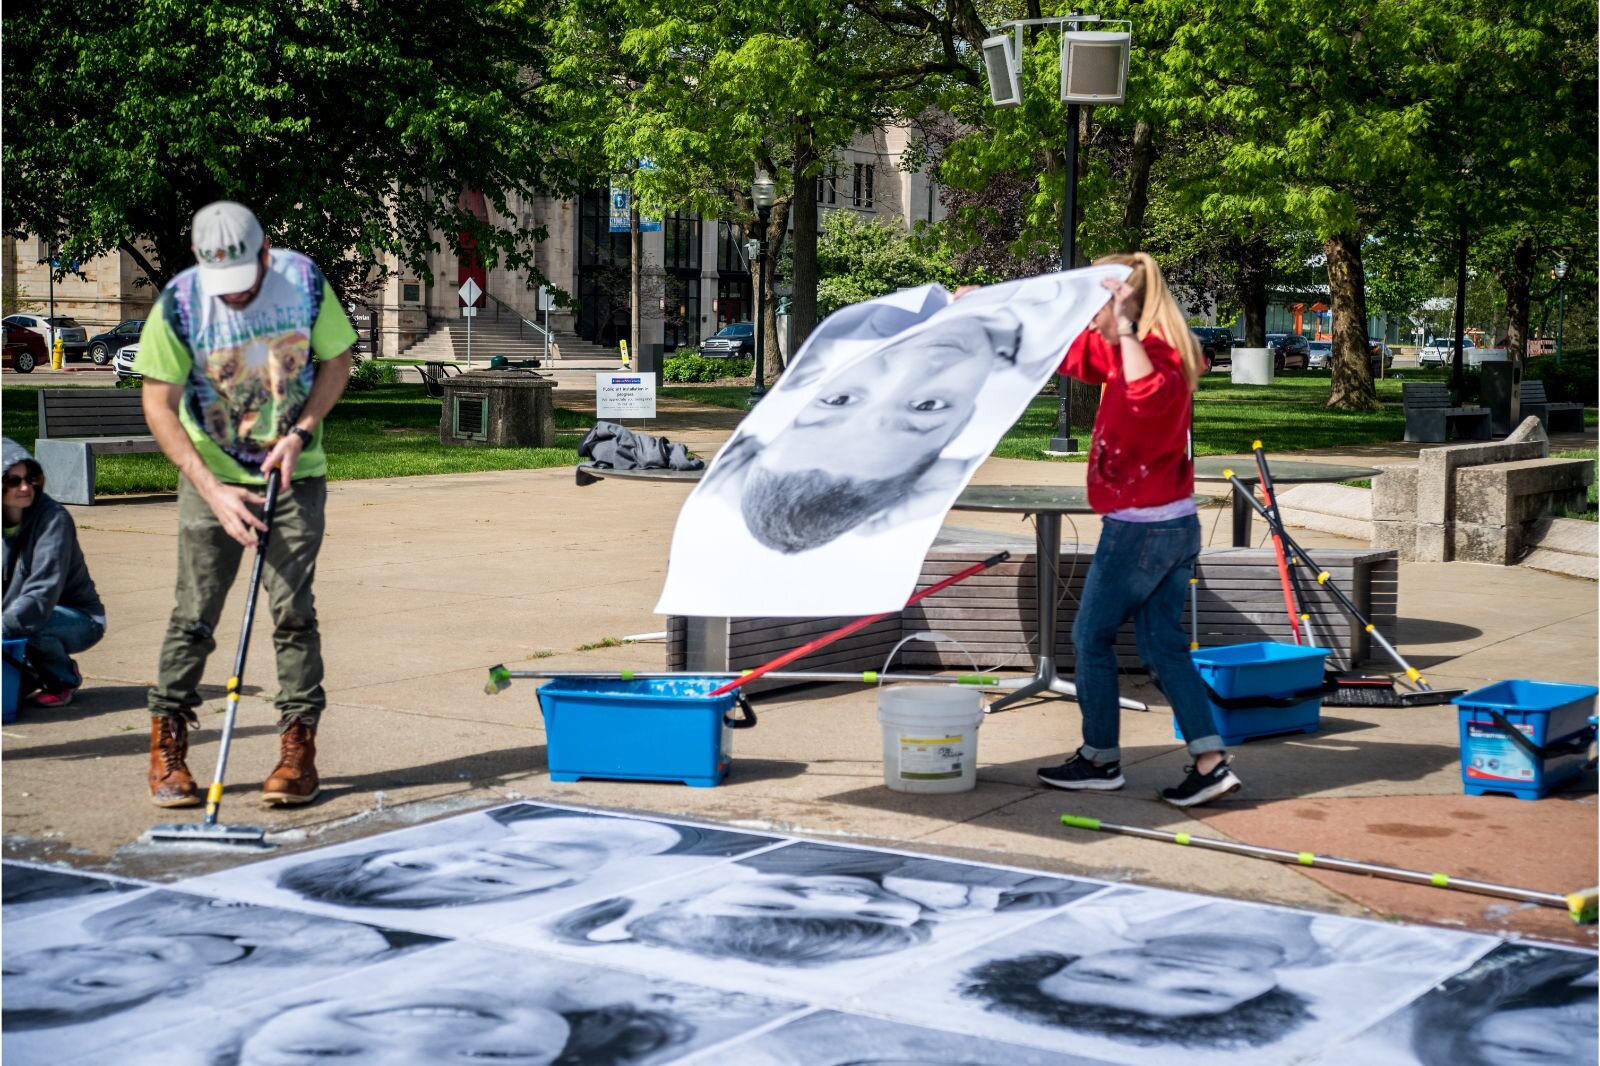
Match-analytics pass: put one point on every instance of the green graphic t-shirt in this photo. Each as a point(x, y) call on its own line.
point(246, 374)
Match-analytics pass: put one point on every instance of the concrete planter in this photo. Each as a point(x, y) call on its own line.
point(1252, 366)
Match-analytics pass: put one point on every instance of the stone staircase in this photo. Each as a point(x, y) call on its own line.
point(505, 335)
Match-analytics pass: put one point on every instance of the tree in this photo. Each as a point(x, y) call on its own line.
point(861, 259)
point(351, 129)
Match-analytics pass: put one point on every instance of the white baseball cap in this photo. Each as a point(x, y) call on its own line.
point(226, 239)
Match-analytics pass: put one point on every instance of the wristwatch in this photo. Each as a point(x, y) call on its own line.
point(304, 435)
point(1126, 328)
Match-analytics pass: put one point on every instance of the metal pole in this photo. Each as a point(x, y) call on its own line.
point(760, 388)
point(1561, 314)
point(1063, 441)
point(471, 313)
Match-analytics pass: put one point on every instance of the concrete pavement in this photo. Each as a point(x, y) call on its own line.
point(424, 582)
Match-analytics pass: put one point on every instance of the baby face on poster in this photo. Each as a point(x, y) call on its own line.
point(827, 497)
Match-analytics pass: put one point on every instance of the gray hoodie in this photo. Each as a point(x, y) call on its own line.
point(44, 566)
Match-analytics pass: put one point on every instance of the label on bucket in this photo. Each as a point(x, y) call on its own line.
point(1493, 756)
point(931, 758)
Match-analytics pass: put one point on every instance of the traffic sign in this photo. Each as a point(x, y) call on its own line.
point(469, 293)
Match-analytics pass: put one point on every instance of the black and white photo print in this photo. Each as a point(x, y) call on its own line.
point(468, 1003)
point(100, 975)
point(806, 918)
point(831, 1038)
point(1519, 1005)
point(828, 495)
point(1146, 976)
point(27, 890)
point(476, 871)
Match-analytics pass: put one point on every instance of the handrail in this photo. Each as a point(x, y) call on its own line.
point(499, 304)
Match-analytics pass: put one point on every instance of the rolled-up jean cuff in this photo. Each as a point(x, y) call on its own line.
point(1202, 745)
point(1104, 755)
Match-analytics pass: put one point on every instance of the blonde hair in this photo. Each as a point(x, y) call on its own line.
point(1157, 312)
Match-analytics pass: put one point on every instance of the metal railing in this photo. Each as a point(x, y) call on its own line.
point(501, 306)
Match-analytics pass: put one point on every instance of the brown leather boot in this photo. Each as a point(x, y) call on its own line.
point(171, 783)
point(295, 780)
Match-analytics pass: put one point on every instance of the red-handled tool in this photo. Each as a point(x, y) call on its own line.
point(860, 623)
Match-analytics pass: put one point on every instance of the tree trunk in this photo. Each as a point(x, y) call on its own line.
point(1518, 282)
point(1347, 290)
point(1255, 268)
point(777, 227)
point(1459, 324)
point(1144, 157)
point(803, 286)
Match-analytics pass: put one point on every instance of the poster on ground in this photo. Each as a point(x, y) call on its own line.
point(829, 494)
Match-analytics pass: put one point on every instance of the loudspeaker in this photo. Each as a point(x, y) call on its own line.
point(1094, 67)
point(1000, 60)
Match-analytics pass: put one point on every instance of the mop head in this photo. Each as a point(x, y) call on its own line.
point(499, 680)
point(1584, 906)
point(231, 836)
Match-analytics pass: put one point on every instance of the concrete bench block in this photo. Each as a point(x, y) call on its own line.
point(1475, 543)
point(1432, 543)
point(1398, 537)
point(1394, 494)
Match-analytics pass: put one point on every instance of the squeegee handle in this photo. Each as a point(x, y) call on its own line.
point(860, 623)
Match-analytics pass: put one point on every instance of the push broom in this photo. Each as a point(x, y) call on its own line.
point(1582, 905)
point(210, 831)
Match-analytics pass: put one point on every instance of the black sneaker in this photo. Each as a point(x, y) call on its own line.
point(1197, 788)
point(1080, 772)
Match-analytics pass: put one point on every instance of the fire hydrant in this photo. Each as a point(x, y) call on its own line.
point(58, 354)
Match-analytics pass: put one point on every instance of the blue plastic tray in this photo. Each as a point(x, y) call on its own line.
point(1261, 669)
point(656, 729)
point(1546, 712)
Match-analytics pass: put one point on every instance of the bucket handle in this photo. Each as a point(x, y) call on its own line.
point(746, 722)
point(1578, 744)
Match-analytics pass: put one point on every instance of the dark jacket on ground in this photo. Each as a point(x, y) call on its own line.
point(44, 566)
point(620, 448)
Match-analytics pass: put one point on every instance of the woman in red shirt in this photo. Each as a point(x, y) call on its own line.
point(1141, 480)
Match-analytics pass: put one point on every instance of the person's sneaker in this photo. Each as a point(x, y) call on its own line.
point(1080, 772)
point(51, 698)
point(1197, 788)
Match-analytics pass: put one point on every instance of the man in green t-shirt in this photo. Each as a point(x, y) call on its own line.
point(243, 356)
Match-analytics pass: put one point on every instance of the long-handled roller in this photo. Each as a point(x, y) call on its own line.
point(1363, 692)
point(1275, 526)
point(209, 831)
point(500, 677)
point(1580, 905)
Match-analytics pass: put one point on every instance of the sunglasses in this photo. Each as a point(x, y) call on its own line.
point(13, 481)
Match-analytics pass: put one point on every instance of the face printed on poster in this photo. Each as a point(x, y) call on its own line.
point(831, 491)
point(834, 1038)
point(30, 891)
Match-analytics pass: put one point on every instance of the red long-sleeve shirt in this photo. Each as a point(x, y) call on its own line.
point(1139, 454)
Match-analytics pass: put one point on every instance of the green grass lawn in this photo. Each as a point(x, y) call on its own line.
point(1289, 415)
point(1592, 512)
point(390, 431)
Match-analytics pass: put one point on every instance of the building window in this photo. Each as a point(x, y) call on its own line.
point(730, 250)
point(828, 185)
point(733, 300)
point(861, 191)
point(681, 237)
point(681, 311)
point(411, 292)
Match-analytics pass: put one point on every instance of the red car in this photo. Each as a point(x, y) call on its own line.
point(24, 350)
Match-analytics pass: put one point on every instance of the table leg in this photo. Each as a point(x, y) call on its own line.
point(1242, 513)
point(1047, 556)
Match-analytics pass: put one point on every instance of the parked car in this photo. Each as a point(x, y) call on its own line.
point(104, 345)
point(24, 349)
point(733, 341)
point(74, 338)
point(122, 362)
point(1441, 350)
point(1319, 355)
point(1379, 358)
point(1216, 342)
point(1289, 350)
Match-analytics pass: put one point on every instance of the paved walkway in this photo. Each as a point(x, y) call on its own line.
point(424, 582)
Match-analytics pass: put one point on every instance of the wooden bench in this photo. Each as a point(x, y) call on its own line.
point(1554, 417)
point(1429, 416)
point(76, 425)
point(992, 614)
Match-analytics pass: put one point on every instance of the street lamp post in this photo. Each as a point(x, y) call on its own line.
point(1561, 303)
point(763, 194)
point(1094, 70)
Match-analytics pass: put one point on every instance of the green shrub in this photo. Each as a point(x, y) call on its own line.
point(694, 369)
point(370, 373)
point(1573, 380)
point(130, 383)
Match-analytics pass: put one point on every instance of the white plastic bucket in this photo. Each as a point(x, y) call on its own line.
point(930, 737)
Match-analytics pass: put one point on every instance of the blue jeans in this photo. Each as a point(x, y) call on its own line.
point(50, 648)
point(1141, 570)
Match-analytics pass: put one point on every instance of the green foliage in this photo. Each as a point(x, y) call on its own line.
point(130, 383)
point(368, 374)
point(349, 128)
point(693, 369)
point(1573, 380)
point(862, 258)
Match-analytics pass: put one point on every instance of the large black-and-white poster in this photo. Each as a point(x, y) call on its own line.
point(29, 891)
point(1140, 975)
point(828, 495)
point(477, 871)
point(832, 1038)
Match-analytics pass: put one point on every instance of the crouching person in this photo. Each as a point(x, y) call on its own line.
point(50, 600)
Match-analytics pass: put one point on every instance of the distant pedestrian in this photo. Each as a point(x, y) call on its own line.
point(50, 598)
point(243, 356)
